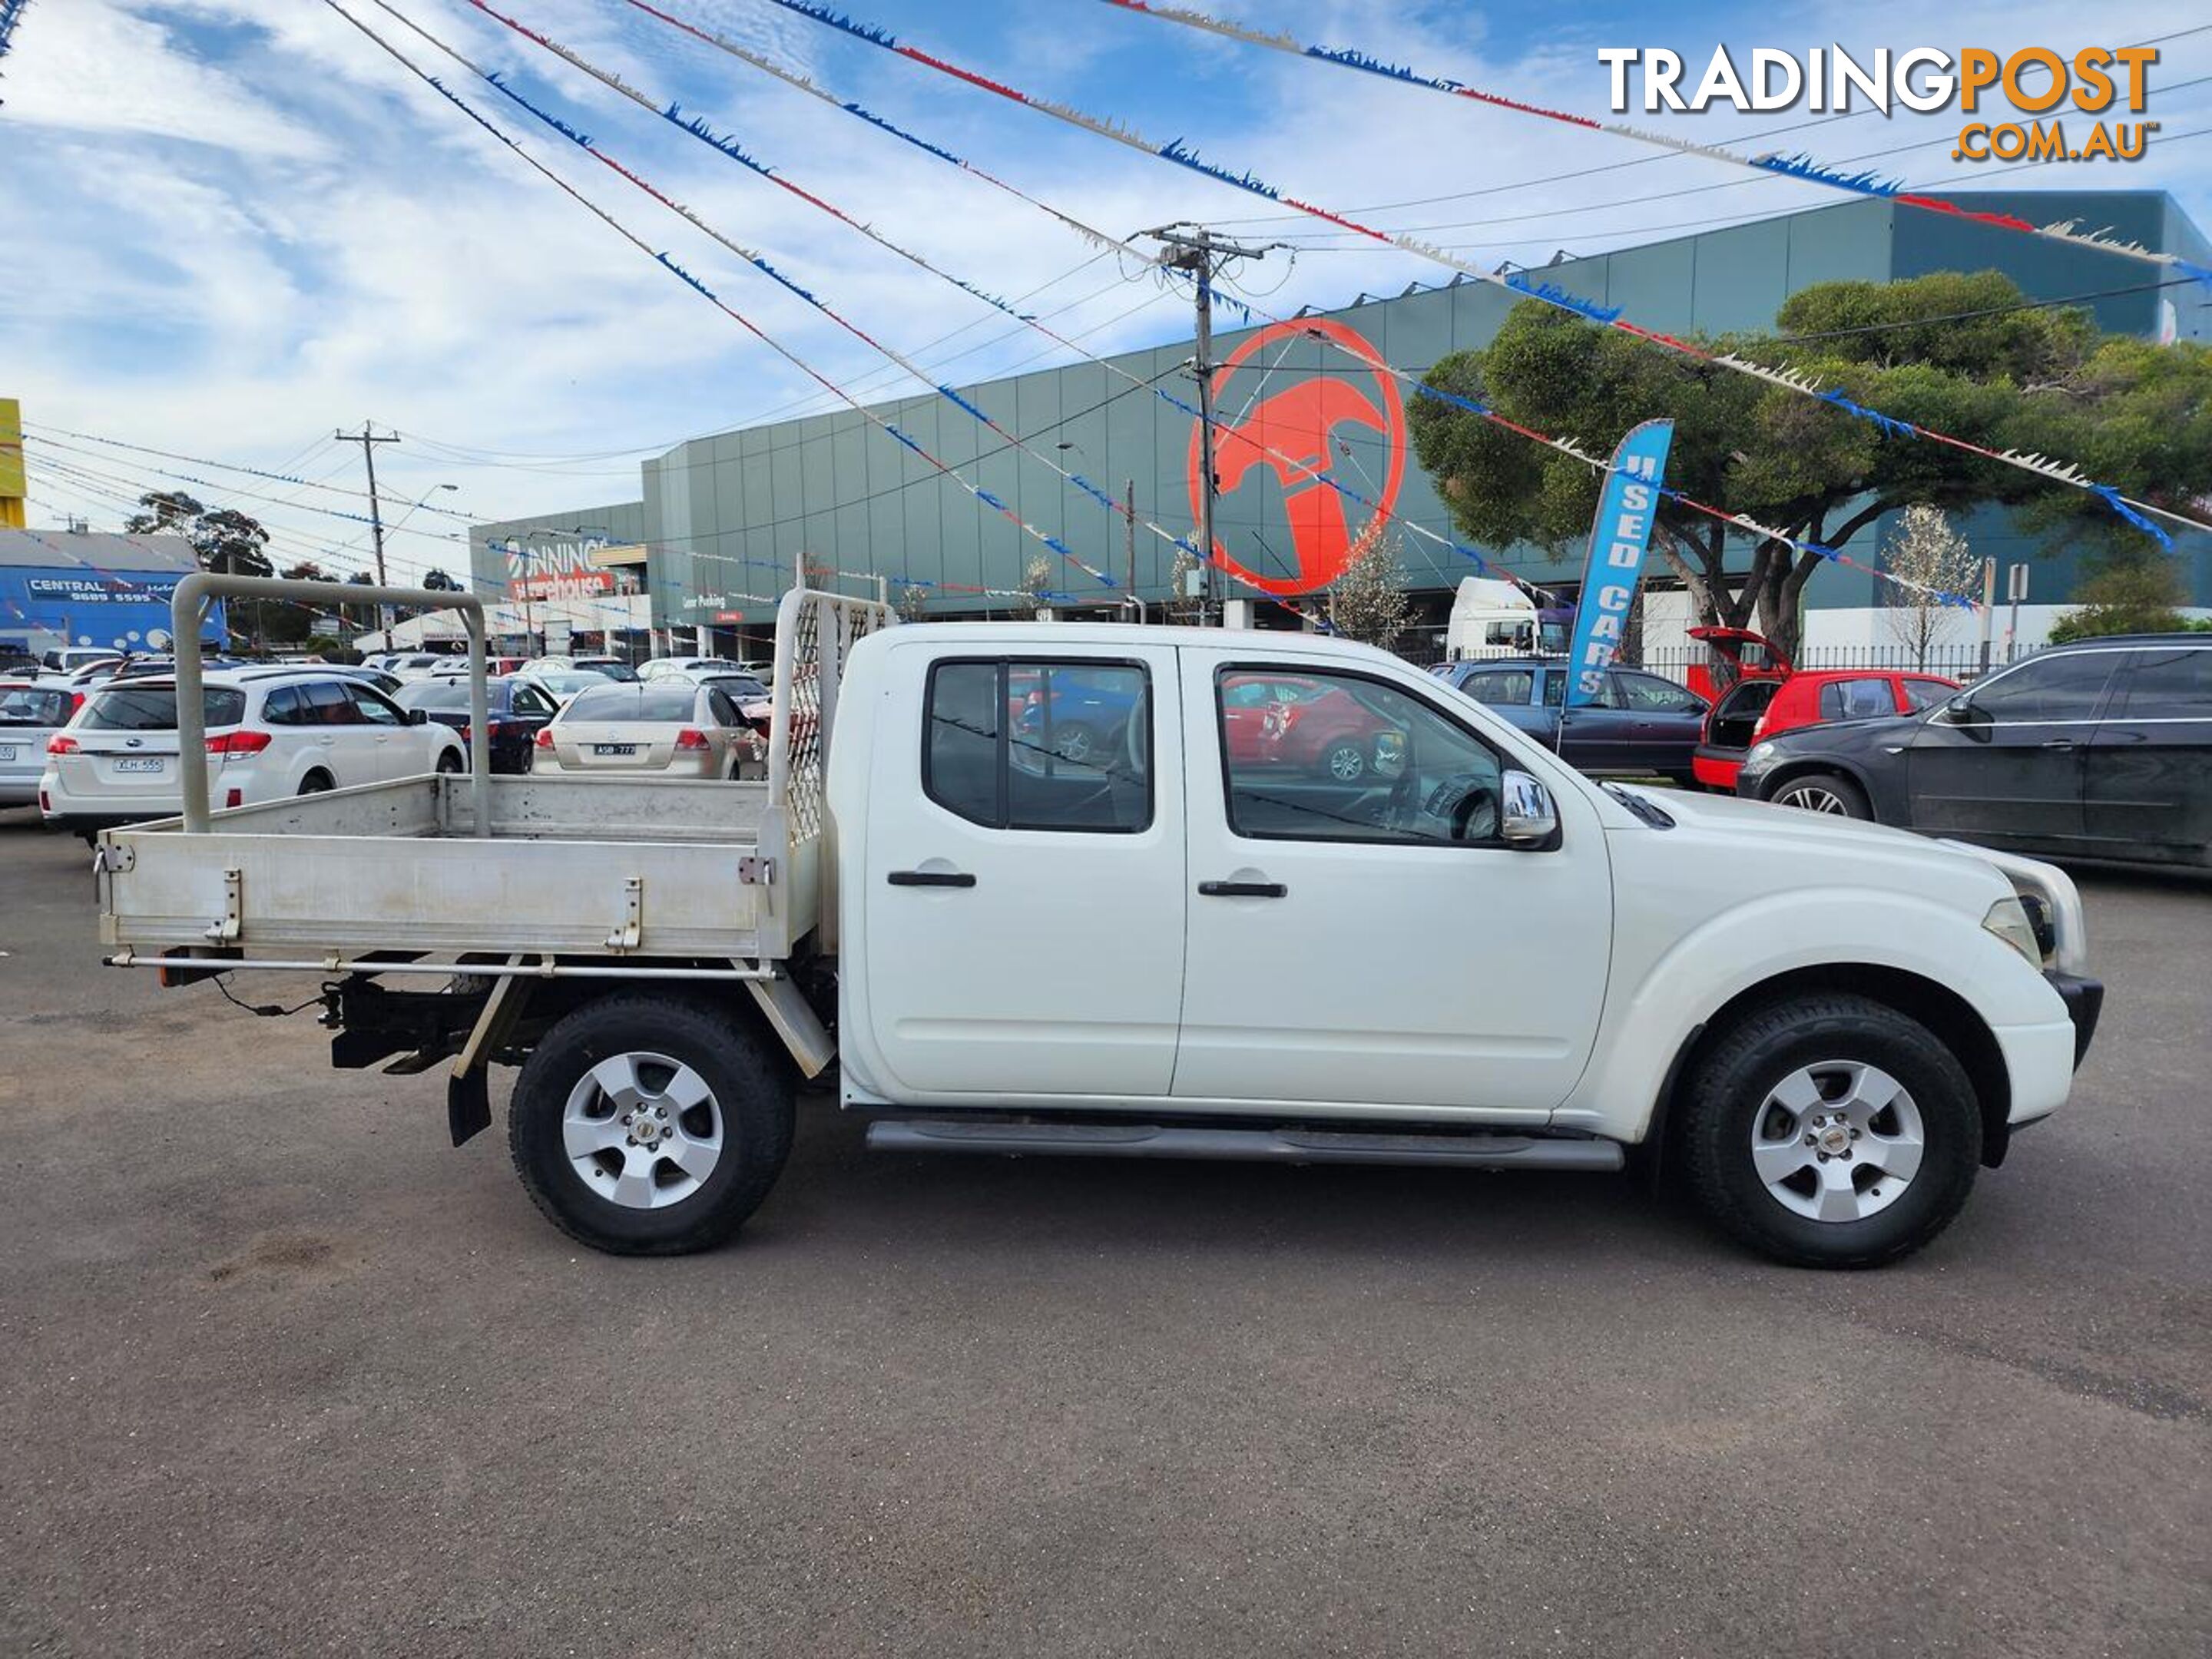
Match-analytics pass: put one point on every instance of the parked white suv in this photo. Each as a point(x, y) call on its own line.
point(272, 733)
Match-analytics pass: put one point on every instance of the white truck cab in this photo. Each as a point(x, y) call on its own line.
point(1098, 890)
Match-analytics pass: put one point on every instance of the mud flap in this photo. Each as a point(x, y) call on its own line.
point(468, 1104)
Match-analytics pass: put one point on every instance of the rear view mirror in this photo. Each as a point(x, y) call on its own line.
point(1529, 821)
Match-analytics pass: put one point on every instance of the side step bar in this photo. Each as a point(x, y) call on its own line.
point(1484, 1151)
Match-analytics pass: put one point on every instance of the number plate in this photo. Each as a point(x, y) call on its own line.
point(153, 765)
point(7, 751)
point(614, 749)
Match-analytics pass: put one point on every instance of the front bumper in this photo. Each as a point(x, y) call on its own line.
point(2085, 1000)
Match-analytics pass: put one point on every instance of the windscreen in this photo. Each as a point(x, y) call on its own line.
point(647, 701)
point(434, 694)
point(154, 709)
point(33, 705)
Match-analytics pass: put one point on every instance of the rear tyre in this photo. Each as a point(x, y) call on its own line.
point(1824, 791)
point(315, 783)
point(1830, 1131)
point(650, 1125)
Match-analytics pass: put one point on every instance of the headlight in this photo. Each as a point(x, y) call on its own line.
point(2008, 920)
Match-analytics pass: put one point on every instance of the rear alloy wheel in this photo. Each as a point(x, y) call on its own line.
point(1824, 791)
point(1345, 762)
point(650, 1125)
point(1831, 1131)
point(1074, 743)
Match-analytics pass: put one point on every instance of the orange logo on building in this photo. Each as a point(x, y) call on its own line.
point(1294, 433)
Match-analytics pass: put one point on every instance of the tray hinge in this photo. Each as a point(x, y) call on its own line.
point(626, 937)
point(757, 871)
point(234, 909)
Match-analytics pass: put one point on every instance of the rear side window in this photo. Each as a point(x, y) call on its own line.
point(2173, 684)
point(1039, 745)
point(154, 709)
point(1649, 692)
point(1510, 686)
point(33, 705)
point(1856, 700)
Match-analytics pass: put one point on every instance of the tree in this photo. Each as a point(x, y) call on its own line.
point(2133, 596)
point(1369, 602)
point(913, 603)
point(2134, 416)
point(1924, 550)
point(439, 582)
point(1036, 581)
point(224, 540)
point(1182, 606)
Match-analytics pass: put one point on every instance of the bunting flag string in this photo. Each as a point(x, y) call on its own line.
point(759, 261)
point(2131, 509)
point(11, 13)
point(905, 440)
point(727, 145)
point(1799, 166)
point(1566, 446)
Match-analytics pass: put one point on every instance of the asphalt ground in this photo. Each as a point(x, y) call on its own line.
point(285, 1374)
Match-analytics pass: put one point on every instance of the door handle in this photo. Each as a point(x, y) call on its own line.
point(931, 879)
point(1242, 890)
point(2058, 743)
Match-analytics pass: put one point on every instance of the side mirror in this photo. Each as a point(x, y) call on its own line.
point(1960, 710)
point(419, 717)
point(1527, 822)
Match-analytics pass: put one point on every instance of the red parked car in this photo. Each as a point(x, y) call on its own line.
point(1766, 695)
point(1272, 720)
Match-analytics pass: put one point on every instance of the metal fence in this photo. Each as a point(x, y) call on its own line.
point(1953, 662)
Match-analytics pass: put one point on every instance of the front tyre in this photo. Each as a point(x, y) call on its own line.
point(649, 1124)
point(1827, 792)
point(1831, 1131)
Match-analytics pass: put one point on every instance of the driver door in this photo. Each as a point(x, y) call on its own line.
point(1371, 942)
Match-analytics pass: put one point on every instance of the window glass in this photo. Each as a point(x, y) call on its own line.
point(1040, 745)
point(328, 704)
point(1509, 686)
point(1856, 700)
point(1654, 694)
point(2173, 684)
point(725, 711)
point(527, 700)
point(666, 702)
point(1555, 690)
point(1926, 694)
point(32, 705)
point(374, 710)
point(2062, 686)
point(433, 693)
point(283, 707)
point(154, 709)
point(1359, 761)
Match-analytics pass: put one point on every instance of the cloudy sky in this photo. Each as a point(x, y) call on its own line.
point(232, 226)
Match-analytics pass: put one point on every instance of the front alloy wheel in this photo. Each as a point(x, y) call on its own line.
point(1837, 1141)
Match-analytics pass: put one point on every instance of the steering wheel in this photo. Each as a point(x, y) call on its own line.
point(1133, 730)
point(1474, 814)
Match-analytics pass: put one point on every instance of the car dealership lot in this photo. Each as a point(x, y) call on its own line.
point(285, 1373)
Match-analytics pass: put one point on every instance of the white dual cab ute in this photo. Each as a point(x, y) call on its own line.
point(1178, 944)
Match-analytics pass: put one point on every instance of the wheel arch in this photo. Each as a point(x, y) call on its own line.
point(1952, 1019)
point(1791, 771)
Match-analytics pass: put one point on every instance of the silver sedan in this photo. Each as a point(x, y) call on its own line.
point(669, 728)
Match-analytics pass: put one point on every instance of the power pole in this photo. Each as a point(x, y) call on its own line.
point(1197, 250)
point(368, 439)
point(1129, 532)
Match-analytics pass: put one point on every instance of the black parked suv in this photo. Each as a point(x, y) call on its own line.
point(2101, 749)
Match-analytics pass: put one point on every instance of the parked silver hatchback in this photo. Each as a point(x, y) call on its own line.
point(667, 726)
point(31, 711)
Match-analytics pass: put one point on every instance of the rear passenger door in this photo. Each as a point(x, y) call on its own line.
point(344, 747)
point(2010, 770)
point(1014, 918)
point(2149, 792)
